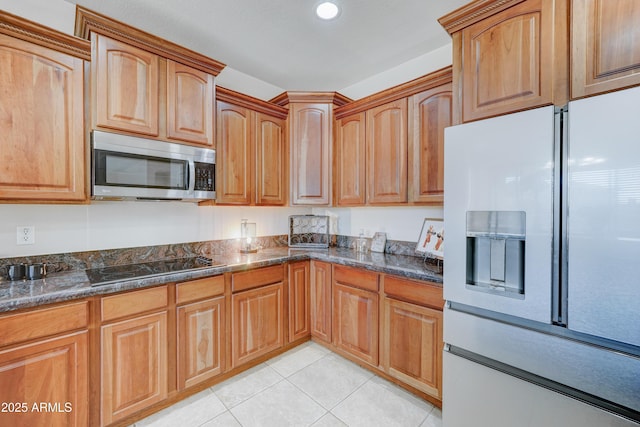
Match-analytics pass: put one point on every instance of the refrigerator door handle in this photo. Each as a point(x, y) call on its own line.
point(559, 264)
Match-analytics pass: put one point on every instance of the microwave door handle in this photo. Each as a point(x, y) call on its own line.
point(192, 177)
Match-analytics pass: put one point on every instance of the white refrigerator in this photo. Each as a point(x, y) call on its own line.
point(542, 267)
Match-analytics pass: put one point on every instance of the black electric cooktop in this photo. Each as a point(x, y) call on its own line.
point(116, 273)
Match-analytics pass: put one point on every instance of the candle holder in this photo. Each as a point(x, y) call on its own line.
point(248, 237)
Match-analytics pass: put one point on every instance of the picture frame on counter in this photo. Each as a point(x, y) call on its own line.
point(431, 240)
point(378, 242)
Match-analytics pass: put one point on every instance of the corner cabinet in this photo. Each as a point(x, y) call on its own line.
point(605, 38)
point(508, 56)
point(310, 123)
point(41, 113)
point(251, 150)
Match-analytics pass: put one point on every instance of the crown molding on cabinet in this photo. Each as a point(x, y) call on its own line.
point(431, 80)
point(255, 104)
point(285, 98)
point(88, 21)
point(29, 31)
point(474, 12)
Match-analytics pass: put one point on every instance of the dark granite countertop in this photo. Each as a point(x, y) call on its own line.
point(67, 286)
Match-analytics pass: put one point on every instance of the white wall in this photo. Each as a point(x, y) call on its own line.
point(403, 73)
point(56, 14)
point(400, 223)
point(111, 225)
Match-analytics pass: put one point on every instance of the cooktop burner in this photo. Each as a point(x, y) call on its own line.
point(116, 273)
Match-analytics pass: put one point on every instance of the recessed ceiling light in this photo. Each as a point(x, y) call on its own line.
point(327, 10)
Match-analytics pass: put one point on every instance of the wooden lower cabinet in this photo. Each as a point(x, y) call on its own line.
point(412, 345)
point(44, 367)
point(201, 341)
point(45, 383)
point(257, 322)
point(299, 318)
point(320, 310)
point(134, 365)
point(355, 313)
point(134, 347)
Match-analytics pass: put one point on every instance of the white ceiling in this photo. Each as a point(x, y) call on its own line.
point(283, 43)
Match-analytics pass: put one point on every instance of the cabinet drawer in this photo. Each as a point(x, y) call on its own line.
point(132, 303)
point(199, 289)
point(423, 293)
point(355, 277)
point(22, 327)
point(256, 278)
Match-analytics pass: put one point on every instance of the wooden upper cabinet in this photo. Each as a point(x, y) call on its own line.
point(41, 114)
point(271, 160)
point(235, 155)
point(387, 153)
point(429, 114)
point(508, 56)
point(311, 154)
point(605, 38)
point(190, 94)
point(126, 81)
point(350, 161)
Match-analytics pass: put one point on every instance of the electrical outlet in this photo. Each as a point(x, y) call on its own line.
point(25, 235)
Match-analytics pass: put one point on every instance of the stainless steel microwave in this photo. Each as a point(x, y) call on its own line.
point(130, 168)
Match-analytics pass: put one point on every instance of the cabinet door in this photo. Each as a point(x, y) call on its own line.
point(45, 383)
point(429, 113)
point(509, 62)
point(201, 341)
point(350, 160)
point(134, 365)
point(258, 322)
point(234, 154)
point(387, 153)
point(271, 160)
point(412, 345)
point(320, 288)
point(298, 300)
point(126, 81)
point(605, 38)
point(311, 154)
point(355, 322)
point(41, 123)
point(189, 104)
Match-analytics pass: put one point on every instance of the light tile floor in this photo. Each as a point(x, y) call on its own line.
point(306, 386)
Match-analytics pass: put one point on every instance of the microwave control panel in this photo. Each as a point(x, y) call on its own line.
point(205, 176)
